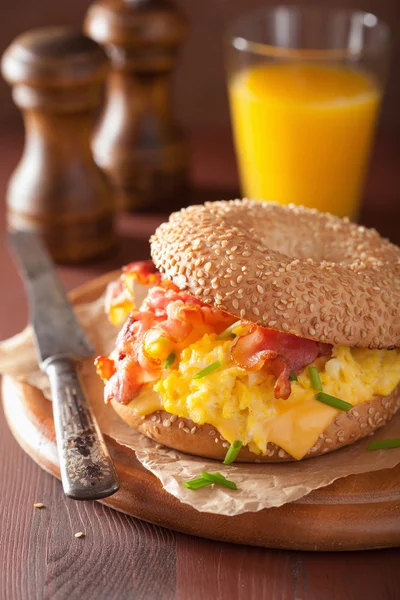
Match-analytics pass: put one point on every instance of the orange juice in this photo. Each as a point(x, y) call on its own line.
point(303, 133)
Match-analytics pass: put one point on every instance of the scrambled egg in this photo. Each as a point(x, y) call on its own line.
point(241, 405)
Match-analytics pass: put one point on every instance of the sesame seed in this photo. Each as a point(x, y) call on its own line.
point(79, 534)
point(39, 505)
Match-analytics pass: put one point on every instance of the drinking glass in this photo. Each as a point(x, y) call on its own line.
point(305, 87)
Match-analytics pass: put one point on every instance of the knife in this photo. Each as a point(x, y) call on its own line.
point(87, 471)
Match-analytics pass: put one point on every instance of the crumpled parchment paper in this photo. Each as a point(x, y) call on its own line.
point(259, 486)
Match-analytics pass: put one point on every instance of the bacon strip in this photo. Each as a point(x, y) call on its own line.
point(167, 313)
point(279, 353)
point(120, 299)
point(105, 367)
point(143, 272)
point(278, 366)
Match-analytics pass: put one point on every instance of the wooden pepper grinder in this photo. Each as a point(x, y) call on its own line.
point(57, 189)
point(138, 142)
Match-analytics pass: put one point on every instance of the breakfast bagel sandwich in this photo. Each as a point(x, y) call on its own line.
point(273, 330)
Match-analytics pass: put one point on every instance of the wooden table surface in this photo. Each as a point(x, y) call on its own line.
point(121, 557)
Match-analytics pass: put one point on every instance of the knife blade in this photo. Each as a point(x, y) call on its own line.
point(56, 330)
point(87, 471)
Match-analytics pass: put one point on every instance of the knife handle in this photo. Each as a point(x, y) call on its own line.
point(87, 471)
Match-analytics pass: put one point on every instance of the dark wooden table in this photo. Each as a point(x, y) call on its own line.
point(121, 557)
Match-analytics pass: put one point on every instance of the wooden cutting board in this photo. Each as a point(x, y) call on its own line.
point(358, 512)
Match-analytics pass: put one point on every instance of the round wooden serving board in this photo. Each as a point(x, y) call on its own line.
point(358, 512)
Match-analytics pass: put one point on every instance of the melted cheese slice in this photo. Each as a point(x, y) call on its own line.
point(299, 423)
point(147, 402)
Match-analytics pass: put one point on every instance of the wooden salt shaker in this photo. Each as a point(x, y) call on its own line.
point(57, 189)
point(138, 142)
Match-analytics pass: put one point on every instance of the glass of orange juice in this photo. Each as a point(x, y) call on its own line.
point(305, 87)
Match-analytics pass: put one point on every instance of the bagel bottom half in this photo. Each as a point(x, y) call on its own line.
point(204, 440)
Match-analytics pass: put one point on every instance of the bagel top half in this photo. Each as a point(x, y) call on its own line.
point(286, 267)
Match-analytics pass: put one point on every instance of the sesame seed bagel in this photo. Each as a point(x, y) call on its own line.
point(204, 440)
point(286, 267)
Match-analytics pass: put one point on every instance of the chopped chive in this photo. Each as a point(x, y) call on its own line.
point(214, 477)
point(228, 333)
point(169, 360)
point(208, 479)
point(207, 370)
point(218, 475)
point(196, 484)
point(314, 377)
point(292, 376)
point(332, 401)
point(232, 452)
point(218, 479)
point(384, 444)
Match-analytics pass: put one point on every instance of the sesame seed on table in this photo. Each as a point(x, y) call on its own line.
point(52, 547)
